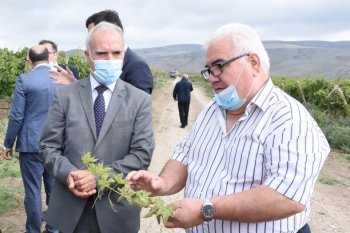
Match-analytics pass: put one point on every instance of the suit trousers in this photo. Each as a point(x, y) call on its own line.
point(88, 220)
point(183, 112)
point(32, 170)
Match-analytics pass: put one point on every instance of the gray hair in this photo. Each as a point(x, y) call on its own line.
point(185, 76)
point(245, 40)
point(100, 27)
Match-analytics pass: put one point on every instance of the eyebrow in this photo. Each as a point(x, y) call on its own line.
point(215, 62)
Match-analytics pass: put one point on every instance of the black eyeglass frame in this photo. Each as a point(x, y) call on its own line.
point(220, 65)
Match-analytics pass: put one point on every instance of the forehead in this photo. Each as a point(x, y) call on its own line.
point(107, 39)
point(221, 49)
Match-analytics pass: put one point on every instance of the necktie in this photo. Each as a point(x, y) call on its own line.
point(99, 108)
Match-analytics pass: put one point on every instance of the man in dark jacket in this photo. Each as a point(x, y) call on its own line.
point(182, 94)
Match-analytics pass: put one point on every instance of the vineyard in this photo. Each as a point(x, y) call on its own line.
point(326, 99)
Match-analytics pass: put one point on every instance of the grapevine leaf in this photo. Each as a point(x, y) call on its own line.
point(87, 158)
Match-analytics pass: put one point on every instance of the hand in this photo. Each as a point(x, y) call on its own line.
point(81, 183)
point(7, 154)
point(62, 77)
point(187, 214)
point(144, 180)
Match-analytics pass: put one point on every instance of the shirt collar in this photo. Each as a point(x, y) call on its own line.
point(42, 64)
point(261, 98)
point(95, 84)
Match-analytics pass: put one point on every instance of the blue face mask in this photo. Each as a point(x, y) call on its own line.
point(107, 71)
point(51, 64)
point(229, 99)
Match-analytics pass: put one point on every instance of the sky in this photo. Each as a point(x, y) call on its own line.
point(156, 23)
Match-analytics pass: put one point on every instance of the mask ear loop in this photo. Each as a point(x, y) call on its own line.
point(240, 73)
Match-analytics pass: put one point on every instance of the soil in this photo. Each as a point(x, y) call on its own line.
point(330, 206)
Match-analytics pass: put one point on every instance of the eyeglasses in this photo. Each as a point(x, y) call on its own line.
point(52, 52)
point(216, 69)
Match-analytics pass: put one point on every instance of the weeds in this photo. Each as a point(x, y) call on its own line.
point(330, 181)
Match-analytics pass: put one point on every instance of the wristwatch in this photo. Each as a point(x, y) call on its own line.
point(208, 210)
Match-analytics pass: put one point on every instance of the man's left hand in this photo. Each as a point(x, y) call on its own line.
point(187, 214)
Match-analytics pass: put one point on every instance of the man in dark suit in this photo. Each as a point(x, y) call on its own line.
point(53, 56)
point(124, 141)
point(135, 69)
point(182, 94)
point(32, 98)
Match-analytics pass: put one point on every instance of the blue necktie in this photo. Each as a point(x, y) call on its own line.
point(99, 108)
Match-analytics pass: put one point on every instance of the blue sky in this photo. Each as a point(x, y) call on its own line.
point(154, 23)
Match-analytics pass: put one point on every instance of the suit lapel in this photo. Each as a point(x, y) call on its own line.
point(86, 100)
point(112, 110)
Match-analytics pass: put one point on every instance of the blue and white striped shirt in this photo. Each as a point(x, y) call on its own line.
point(276, 143)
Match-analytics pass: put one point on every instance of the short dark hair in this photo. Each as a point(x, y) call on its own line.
point(36, 57)
point(54, 46)
point(110, 16)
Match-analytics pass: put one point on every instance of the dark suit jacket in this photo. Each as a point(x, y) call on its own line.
point(182, 91)
point(73, 69)
point(137, 72)
point(125, 143)
point(31, 101)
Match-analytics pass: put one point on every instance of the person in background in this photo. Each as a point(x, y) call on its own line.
point(107, 117)
point(53, 56)
point(32, 98)
point(135, 69)
point(182, 94)
point(251, 160)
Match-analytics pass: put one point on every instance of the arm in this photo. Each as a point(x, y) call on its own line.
point(175, 91)
point(140, 76)
point(16, 116)
point(260, 204)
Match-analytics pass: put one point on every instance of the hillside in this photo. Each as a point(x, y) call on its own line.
point(287, 58)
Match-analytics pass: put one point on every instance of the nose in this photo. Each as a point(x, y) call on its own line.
point(213, 78)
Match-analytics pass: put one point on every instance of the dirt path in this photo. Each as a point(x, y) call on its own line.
point(330, 205)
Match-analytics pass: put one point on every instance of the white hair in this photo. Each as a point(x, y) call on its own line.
point(245, 40)
point(100, 27)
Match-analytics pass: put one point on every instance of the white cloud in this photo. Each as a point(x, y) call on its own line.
point(155, 23)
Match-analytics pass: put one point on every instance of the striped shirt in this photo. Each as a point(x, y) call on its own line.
point(276, 143)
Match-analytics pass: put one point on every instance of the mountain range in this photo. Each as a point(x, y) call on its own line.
point(287, 58)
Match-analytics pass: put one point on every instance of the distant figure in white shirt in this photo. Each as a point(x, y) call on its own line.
point(251, 160)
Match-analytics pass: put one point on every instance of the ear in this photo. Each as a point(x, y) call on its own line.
point(254, 60)
point(87, 54)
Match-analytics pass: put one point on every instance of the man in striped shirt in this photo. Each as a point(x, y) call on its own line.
point(251, 160)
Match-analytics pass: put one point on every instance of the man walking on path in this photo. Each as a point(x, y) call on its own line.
point(182, 94)
point(32, 97)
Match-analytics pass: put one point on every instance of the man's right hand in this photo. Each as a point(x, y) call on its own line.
point(7, 154)
point(81, 183)
point(144, 180)
point(62, 76)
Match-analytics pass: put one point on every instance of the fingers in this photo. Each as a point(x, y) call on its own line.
point(7, 154)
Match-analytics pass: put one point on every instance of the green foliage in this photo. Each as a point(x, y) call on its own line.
point(8, 199)
point(121, 186)
point(330, 181)
point(160, 78)
point(11, 66)
point(76, 61)
point(316, 92)
point(10, 168)
point(198, 80)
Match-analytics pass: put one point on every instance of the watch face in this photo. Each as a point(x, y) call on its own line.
point(208, 211)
